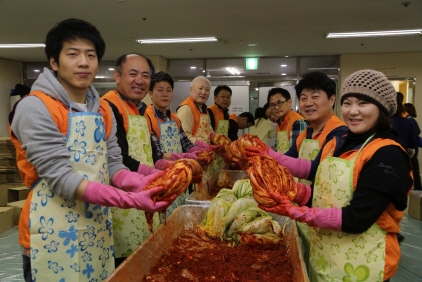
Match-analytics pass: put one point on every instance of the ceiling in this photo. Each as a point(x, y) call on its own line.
point(282, 32)
point(278, 28)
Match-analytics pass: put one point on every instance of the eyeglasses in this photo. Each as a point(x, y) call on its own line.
point(224, 97)
point(278, 104)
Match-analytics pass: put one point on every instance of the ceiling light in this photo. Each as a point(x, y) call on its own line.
point(176, 40)
point(203, 71)
point(373, 33)
point(256, 89)
point(232, 70)
point(322, 68)
point(193, 68)
point(284, 73)
point(252, 45)
point(28, 45)
point(36, 70)
point(110, 69)
point(283, 66)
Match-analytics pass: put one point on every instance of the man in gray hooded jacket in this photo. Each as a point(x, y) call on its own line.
point(66, 151)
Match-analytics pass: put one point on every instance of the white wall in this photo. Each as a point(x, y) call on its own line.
point(10, 74)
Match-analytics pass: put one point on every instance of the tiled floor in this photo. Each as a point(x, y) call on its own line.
point(410, 268)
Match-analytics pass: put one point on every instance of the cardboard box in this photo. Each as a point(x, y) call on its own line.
point(415, 204)
point(4, 192)
point(6, 218)
point(17, 194)
point(17, 207)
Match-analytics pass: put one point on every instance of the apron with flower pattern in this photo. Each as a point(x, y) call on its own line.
point(283, 142)
point(130, 226)
point(72, 240)
point(204, 131)
point(308, 150)
point(222, 128)
point(335, 255)
point(170, 142)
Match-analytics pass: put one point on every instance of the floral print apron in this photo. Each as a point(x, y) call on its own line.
point(204, 131)
point(335, 255)
point(170, 142)
point(283, 142)
point(222, 128)
point(72, 240)
point(130, 227)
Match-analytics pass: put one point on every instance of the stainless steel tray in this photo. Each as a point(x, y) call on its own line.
point(203, 197)
point(139, 263)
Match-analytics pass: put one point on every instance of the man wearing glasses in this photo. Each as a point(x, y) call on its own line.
point(289, 123)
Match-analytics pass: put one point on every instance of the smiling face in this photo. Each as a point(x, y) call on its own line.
point(315, 106)
point(76, 68)
point(359, 115)
point(200, 91)
point(134, 78)
point(161, 95)
point(280, 106)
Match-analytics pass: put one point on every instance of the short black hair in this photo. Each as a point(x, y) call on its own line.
point(278, 90)
point(400, 107)
point(72, 29)
point(122, 59)
point(316, 81)
point(410, 109)
point(222, 87)
point(161, 76)
point(249, 117)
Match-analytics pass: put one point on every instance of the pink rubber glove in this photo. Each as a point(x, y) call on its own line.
point(177, 156)
point(327, 218)
point(133, 182)
point(207, 146)
point(162, 164)
point(146, 170)
point(108, 196)
point(194, 149)
point(298, 167)
point(302, 195)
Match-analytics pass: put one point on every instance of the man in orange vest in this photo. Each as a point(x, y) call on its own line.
point(289, 123)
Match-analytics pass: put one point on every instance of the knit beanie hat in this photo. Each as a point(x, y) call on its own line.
point(372, 84)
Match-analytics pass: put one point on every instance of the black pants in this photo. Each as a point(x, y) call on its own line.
point(416, 174)
point(27, 268)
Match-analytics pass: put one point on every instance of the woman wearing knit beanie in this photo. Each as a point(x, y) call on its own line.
point(360, 191)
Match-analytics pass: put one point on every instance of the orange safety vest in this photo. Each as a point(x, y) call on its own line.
point(153, 120)
point(59, 112)
point(390, 218)
point(218, 114)
point(287, 123)
point(123, 106)
point(195, 113)
point(333, 123)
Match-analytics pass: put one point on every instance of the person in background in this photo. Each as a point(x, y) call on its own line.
point(66, 152)
point(361, 187)
point(242, 121)
point(22, 91)
point(219, 112)
point(289, 123)
point(194, 117)
point(410, 111)
point(133, 77)
point(263, 128)
point(169, 141)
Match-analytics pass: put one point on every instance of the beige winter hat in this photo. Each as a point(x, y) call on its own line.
point(373, 84)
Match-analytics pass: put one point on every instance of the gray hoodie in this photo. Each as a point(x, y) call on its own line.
point(45, 146)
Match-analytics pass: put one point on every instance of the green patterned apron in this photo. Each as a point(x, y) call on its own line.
point(204, 131)
point(170, 142)
point(335, 255)
point(72, 240)
point(222, 128)
point(283, 142)
point(130, 227)
point(308, 150)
